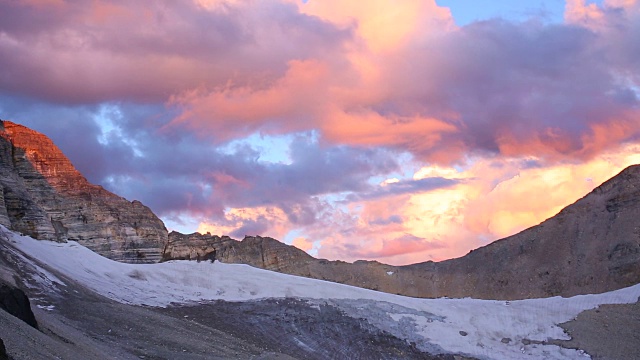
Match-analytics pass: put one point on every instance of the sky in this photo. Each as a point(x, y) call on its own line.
point(399, 132)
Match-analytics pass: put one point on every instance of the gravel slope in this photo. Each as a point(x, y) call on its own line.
point(611, 332)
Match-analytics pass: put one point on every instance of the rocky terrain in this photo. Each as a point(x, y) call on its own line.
point(43, 195)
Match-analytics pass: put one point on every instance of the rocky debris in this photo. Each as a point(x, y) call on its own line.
point(196, 246)
point(592, 246)
point(44, 196)
point(270, 329)
point(305, 330)
point(15, 302)
point(608, 332)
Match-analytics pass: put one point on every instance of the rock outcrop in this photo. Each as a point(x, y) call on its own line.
point(591, 246)
point(15, 302)
point(263, 252)
point(3, 351)
point(44, 196)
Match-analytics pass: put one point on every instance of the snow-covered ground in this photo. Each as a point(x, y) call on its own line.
point(480, 328)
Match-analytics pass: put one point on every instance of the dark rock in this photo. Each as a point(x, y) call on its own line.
point(463, 333)
point(15, 302)
point(505, 340)
point(3, 351)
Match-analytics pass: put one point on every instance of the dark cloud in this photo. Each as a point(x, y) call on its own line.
point(404, 187)
point(522, 88)
point(393, 219)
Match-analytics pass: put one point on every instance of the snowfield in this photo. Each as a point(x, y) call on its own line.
point(485, 329)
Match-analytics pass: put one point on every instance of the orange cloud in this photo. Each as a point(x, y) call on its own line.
point(578, 11)
point(497, 198)
point(593, 15)
point(302, 243)
point(367, 127)
point(231, 111)
point(383, 25)
point(238, 222)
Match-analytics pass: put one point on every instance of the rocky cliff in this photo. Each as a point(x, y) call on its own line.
point(262, 252)
point(592, 246)
point(44, 196)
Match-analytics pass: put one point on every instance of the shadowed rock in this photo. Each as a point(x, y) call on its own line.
point(3, 351)
point(15, 302)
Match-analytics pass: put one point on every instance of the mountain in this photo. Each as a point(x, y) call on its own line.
point(592, 246)
point(44, 196)
point(85, 306)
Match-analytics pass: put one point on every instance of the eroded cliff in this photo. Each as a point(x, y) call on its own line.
point(44, 196)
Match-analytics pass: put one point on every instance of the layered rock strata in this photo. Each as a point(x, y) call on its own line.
point(263, 252)
point(44, 196)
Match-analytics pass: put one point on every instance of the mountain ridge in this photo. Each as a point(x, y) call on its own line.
point(591, 246)
point(524, 265)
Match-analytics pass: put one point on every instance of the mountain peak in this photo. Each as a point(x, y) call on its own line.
point(45, 196)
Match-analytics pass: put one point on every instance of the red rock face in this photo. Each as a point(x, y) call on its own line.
point(44, 196)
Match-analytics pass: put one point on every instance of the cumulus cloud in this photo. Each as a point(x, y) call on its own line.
point(85, 52)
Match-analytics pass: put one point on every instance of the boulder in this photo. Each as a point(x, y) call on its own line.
point(15, 302)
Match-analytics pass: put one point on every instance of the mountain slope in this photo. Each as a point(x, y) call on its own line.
point(591, 246)
point(43, 195)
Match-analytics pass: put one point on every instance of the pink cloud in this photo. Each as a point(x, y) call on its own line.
point(302, 243)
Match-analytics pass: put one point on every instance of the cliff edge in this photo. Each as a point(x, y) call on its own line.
point(44, 196)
